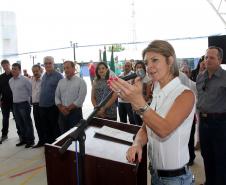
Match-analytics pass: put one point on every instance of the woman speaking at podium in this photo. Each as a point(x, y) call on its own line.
point(166, 122)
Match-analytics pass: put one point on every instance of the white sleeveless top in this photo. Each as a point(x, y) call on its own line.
point(170, 152)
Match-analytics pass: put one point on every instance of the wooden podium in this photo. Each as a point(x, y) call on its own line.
point(105, 160)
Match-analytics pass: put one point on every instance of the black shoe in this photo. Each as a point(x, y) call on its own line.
point(20, 143)
point(38, 145)
point(28, 145)
point(4, 137)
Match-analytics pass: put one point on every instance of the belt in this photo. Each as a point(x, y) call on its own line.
point(172, 173)
point(213, 115)
point(21, 102)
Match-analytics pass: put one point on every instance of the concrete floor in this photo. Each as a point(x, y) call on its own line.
point(20, 166)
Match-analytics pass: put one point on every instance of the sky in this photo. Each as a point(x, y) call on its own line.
point(47, 24)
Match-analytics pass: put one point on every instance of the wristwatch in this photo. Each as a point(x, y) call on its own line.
point(142, 110)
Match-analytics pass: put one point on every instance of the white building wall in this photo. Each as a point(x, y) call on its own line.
point(8, 33)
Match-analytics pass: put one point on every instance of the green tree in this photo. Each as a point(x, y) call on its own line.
point(116, 48)
point(105, 55)
point(112, 62)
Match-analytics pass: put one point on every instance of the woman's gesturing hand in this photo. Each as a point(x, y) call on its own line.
point(130, 93)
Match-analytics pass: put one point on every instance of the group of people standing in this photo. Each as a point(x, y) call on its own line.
point(56, 101)
point(164, 104)
point(100, 90)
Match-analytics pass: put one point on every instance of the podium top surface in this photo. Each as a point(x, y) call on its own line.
point(102, 147)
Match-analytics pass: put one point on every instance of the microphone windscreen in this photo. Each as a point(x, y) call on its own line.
point(141, 73)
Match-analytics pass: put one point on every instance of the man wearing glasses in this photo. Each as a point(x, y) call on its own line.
point(211, 87)
point(48, 109)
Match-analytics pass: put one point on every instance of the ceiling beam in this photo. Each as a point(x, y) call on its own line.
point(217, 8)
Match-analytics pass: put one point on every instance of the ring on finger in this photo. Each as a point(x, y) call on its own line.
point(118, 91)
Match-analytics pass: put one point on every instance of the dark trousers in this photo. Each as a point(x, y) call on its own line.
point(212, 134)
point(23, 120)
point(38, 124)
point(124, 110)
point(69, 121)
point(49, 119)
point(191, 143)
point(5, 118)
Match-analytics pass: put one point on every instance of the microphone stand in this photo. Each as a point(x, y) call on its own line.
point(80, 136)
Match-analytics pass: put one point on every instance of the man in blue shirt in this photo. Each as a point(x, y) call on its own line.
point(48, 110)
point(21, 89)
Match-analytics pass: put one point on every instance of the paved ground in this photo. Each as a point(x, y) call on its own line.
point(20, 166)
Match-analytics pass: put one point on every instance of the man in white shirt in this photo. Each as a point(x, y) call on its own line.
point(69, 97)
point(36, 87)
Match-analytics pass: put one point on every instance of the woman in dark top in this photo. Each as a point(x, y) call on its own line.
point(200, 68)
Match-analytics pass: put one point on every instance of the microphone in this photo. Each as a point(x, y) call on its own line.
point(140, 73)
